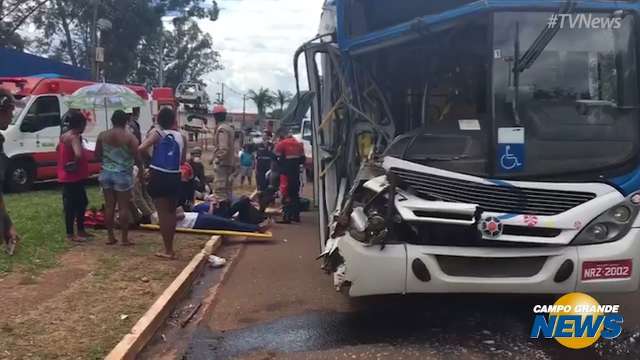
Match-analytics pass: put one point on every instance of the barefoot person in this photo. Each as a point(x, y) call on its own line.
point(164, 175)
point(73, 171)
point(7, 229)
point(117, 150)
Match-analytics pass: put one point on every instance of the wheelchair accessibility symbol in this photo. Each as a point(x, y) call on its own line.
point(511, 157)
point(508, 160)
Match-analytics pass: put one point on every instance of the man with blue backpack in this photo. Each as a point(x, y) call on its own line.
point(164, 174)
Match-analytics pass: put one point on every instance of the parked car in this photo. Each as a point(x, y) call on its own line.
point(190, 93)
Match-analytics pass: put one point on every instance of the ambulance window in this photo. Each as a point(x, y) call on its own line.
point(43, 113)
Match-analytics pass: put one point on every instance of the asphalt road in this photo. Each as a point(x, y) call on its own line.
point(278, 304)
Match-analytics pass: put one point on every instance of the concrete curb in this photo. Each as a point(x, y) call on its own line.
point(150, 322)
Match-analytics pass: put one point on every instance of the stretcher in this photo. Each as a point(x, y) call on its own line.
point(267, 235)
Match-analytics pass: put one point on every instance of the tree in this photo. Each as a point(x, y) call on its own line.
point(283, 97)
point(187, 54)
point(70, 24)
point(263, 99)
point(13, 15)
point(276, 114)
point(132, 46)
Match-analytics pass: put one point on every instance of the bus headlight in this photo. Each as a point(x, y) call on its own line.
point(599, 231)
point(611, 225)
point(621, 214)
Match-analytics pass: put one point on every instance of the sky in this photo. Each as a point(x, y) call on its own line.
point(256, 40)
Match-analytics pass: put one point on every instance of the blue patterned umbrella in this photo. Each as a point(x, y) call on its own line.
point(107, 96)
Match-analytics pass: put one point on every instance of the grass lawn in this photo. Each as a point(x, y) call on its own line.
point(39, 219)
point(82, 307)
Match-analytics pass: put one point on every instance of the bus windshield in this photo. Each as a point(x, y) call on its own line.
point(573, 95)
point(506, 97)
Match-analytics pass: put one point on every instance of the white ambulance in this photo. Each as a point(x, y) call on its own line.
point(32, 137)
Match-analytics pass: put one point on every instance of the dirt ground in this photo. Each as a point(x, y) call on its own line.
point(82, 308)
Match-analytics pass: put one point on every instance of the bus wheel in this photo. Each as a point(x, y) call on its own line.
point(20, 176)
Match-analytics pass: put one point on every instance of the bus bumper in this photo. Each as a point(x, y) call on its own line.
point(406, 268)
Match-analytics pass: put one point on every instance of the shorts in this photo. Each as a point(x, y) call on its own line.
point(246, 171)
point(164, 185)
point(116, 181)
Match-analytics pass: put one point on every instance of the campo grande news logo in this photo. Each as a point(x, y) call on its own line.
point(577, 321)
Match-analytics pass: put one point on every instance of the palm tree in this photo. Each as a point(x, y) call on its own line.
point(283, 97)
point(263, 99)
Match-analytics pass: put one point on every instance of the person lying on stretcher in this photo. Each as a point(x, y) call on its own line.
point(206, 221)
point(243, 209)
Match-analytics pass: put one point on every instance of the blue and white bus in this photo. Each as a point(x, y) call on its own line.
point(477, 146)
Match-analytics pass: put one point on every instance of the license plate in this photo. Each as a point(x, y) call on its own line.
point(596, 270)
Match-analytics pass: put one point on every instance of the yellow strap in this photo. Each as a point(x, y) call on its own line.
point(266, 235)
point(333, 162)
point(329, 117)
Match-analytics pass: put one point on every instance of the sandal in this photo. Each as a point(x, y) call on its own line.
point(166, 256)
point(75, 239)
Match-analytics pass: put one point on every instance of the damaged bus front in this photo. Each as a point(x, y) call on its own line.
point(477, 146)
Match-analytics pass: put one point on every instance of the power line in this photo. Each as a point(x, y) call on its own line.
point(226, 86)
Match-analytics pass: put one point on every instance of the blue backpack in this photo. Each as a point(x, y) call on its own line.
point(166, 154)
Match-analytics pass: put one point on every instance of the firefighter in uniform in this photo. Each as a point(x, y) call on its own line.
point(223, 155)
point(290, 154)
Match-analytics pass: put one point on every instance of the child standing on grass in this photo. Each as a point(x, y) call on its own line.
point(73, 171)
point(164, 176)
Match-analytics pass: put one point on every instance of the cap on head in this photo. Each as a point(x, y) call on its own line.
point(219, 109)
point(196, 150)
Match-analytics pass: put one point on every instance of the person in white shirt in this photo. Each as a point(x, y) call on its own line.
point(205, 221)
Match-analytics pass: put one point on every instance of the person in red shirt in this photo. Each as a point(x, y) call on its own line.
point(290, 154)
point(73, 171)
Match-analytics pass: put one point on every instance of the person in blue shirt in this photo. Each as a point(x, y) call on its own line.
point(246, 165)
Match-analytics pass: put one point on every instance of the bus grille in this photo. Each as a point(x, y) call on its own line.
point(492, 198)
point(491, 267)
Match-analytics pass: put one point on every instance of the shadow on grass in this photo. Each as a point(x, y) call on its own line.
point(39, 219)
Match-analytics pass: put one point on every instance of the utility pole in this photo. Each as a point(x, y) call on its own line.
point(94, 42)
point(244, 110)
point(161, 72)
point(222, 93)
